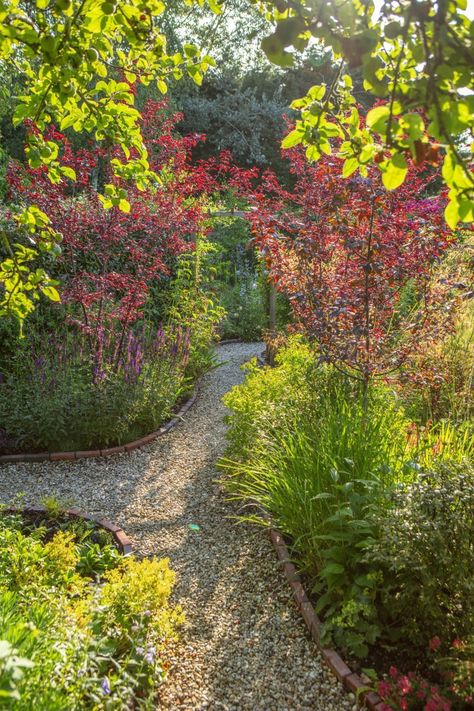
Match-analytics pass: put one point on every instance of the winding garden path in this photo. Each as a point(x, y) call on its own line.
point(244, 647)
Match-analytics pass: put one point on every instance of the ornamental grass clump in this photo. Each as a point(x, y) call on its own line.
point(303, 465)
point(91, 390)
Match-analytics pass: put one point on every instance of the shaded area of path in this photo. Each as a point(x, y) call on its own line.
point(244, 646)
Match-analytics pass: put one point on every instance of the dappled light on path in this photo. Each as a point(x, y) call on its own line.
point(244, 647)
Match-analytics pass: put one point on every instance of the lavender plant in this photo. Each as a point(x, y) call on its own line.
point(92, 390)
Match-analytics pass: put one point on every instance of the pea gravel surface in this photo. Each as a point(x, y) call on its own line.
point(244, 645)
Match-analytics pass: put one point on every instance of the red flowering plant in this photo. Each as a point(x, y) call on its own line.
point(451, 663)
point(410, 692)
point(354, 259)
point(454, 662)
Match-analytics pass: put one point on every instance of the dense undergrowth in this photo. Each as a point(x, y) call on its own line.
point(81, 626)
point(378, 509)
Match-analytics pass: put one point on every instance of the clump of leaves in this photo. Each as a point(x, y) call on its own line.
point(98, 646)
point(423, 548)
point(343, 251)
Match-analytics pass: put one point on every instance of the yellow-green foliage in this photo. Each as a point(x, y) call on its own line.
point(95, 639)
point(60, 554)
point(27, 563)
point(270, 397)
point(135, 587)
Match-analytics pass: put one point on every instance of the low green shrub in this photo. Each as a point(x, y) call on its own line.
point(268, 398)
point(424, 553)
point(96, 640)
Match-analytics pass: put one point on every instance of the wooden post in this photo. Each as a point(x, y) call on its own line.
point(272, 314)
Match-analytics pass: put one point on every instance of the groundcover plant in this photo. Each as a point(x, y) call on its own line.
point(81, 625)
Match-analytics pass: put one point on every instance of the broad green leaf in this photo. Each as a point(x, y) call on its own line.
point(294, 138)
point(68, 172)
point(316, 93)
point(377, 118)
point(349, 167)
point(124, 205)
point(394, 171)
point(312, 153)
point(162, 86)
point(51, 293)
point(451, 213)
point(332, 569)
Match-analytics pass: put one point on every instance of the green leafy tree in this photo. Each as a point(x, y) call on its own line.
point(416, 56)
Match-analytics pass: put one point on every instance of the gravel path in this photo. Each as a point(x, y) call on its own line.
point(244, 646)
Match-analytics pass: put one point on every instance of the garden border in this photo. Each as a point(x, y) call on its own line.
point(108, 451)
point(351, 681)
point(120, 537)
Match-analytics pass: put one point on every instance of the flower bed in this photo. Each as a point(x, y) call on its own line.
point(378, 522)
point(128, 447)
point(78, 613)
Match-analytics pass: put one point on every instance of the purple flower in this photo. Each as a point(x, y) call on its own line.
point(105, 686)
point(150, 655)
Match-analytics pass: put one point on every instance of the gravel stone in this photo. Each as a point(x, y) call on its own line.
point(244, 646)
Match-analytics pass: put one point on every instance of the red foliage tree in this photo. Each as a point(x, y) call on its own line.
point(110, 258)
point(354, 259)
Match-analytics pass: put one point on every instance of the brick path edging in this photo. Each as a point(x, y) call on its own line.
point(351, 681)
point(123, 542)
point(82, 454)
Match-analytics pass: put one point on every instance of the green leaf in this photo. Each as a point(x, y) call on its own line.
point(274, 49)
point(22, 111)
point(68, 172)
point(294, 138)
point(413, 125)
point(215, 6)
point(452, 213)
point(332, 569)
point(394, 171)
point(349, 167)
point(51, 293)
point(377, 118)
point(124, 205)
point(312, 153)
point(162, 86)
point(316, 93)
